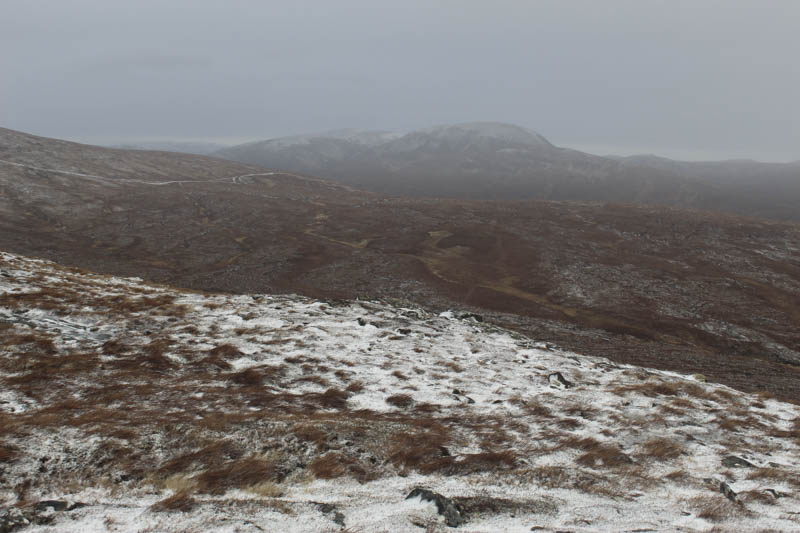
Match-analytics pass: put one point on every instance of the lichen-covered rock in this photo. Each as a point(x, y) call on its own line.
point(451, 512)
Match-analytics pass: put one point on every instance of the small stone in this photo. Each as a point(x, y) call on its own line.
point(731, 461)
point(558, 381)
point(774, 493)
point(56, 505)
point(727, 491)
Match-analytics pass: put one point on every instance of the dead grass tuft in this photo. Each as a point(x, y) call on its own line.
point(8, 453)
point(662, 449)
point(249, 377)
point(210, 456)
point(653, 389)
point(452, 365)
point(309, 433)
point(355, 387)
point(267, 489)
point(400, 400)
point(412, 448)
point(579, 443)
point(678, 476)
point(182, 502)
point(715, 508)
point(114, 347)
point(334, 465)
point(538, 410)
point(399, 375)
point(332, 399)
point(236, 475)
point(472, 463)
point(224, 351)
point(486, 505)
point(604, 456)
point(329, 466)
point(774, 474)
point(739, 423)
point(757, 496)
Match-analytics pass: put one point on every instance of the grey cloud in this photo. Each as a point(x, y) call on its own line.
point(713, 77)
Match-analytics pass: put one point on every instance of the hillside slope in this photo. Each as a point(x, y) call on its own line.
point(135, 407)
point(675, 289)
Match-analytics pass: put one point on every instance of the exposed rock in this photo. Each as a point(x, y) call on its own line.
point(327, 508)
point(727, 491)
point(451, 512)
point(461, 397)
point(55, 505)
point(558, 381)
point(731, 461)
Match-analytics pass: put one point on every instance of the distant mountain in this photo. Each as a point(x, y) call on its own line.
point(487, 160)
point(197, 148)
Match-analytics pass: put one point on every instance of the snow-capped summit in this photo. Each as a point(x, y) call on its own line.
point(473, 132)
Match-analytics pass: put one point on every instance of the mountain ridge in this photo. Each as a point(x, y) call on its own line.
point(488, 160)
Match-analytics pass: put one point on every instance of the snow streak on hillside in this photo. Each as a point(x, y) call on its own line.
point(131, 407)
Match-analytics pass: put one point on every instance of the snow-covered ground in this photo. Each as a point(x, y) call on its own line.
point(157, 409)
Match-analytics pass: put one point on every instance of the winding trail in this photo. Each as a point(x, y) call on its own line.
point(233, 179)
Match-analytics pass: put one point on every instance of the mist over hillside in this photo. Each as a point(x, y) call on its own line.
point(186, 147)
point(487, 160)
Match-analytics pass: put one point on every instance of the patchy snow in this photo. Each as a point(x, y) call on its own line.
point(290, 381)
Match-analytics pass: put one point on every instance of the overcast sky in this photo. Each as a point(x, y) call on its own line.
point(698, 79)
